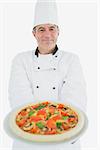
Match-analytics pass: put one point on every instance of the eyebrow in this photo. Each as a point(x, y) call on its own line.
point(40, 28)
point(44, 27)
point(52, 26)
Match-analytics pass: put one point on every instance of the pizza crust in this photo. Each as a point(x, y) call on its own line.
point(67, 135)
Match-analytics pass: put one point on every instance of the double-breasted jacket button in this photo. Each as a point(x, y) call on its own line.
point(56, 56)
point(54, 68)
point(37, 86)
point(64, 82)
point(38, 67)
point(54, 88)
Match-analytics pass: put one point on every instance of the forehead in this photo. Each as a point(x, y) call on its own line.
point(46, 26)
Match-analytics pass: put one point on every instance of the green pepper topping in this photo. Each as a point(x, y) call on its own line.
point(31, 113)
point(56, 112)
point(48, 116)
point(40, 125)
point(58, 124)
point(65, 117)
point(40, 106)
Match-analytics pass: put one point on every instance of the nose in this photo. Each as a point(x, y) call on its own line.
point(47, 34)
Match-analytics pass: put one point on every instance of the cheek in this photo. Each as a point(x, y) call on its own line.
point(55, 37)
point(37, 38)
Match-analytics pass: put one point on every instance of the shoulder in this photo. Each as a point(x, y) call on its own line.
point(23, 56)
point(69, 56)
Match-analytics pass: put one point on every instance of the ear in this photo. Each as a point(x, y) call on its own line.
point(33, 32)
point(58, 31)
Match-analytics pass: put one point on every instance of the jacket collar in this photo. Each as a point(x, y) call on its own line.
point(53, 53)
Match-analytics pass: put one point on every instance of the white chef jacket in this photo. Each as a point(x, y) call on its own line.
point(57, 77)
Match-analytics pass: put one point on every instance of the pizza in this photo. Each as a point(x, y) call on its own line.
point(47, 121)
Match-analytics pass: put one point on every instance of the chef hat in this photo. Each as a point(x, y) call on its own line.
point(45, 12)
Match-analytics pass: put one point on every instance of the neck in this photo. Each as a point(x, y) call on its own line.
point(45, 51)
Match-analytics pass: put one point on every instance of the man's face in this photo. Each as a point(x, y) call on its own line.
point(46, 36)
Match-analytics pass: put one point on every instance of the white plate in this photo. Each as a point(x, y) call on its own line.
point(42, 138)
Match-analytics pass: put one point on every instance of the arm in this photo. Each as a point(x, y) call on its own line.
point(74, 89)
point(20, 90)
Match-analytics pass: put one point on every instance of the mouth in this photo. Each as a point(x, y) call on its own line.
point(47, 41)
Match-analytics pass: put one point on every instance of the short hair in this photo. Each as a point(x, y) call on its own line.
point(34, 28)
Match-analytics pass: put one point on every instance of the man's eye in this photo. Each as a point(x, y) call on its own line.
point(52, 29)
point(41, 30)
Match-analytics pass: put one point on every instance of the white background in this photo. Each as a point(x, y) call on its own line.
point(78, 34)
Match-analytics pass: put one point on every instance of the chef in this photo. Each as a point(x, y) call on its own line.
point(46, 73)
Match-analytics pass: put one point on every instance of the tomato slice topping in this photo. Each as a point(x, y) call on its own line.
point(45, 103)
point(23, 113)
point(65, 126)
point(35, 118)
point(51, 110)
point(55, 118)
point(64, 113)
point(35, 106)
point(41, 112)
point(60, 106)
point(51, 124)
point(21, 122)
point(71, 119)
point(51, 132)
point(34, 130)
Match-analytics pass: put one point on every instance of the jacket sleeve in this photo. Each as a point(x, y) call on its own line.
point(74, 87)
point(19, 89)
